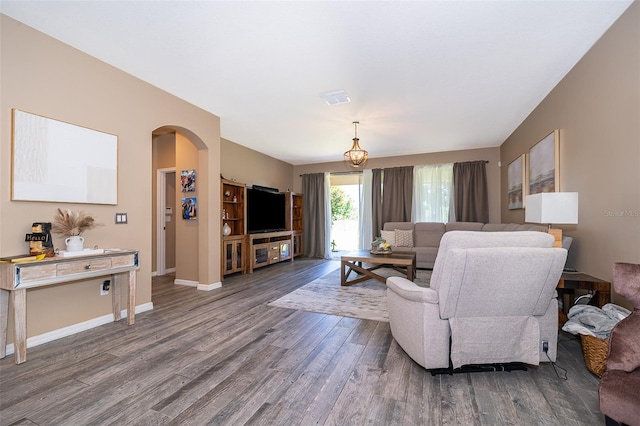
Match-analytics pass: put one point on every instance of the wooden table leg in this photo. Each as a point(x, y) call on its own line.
point(19, 302)
point(4, 321)
point(115, 297)
point(131, 307)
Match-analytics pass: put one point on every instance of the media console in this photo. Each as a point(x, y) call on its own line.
point(269, 248)
point(243, 250)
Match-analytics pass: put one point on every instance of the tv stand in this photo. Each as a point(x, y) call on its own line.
point(269, 248)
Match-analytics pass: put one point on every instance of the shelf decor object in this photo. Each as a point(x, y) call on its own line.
point(380, 246)
point(552, 208)
point(71, 225)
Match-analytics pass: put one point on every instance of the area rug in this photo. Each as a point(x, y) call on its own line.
point(365, 300)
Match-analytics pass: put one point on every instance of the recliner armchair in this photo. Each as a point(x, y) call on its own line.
point(619, 388)
point(491, 300)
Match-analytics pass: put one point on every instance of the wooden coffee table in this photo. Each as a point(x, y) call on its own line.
point(352, 261)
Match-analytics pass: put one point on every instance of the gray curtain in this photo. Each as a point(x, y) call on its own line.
point(314, 219)
point(376, 202)
point(397, 194)
point(471, 199)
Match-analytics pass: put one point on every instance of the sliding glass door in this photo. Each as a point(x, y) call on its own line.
point(346, 190)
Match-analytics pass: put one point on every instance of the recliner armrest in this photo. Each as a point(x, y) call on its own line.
point(410, 291)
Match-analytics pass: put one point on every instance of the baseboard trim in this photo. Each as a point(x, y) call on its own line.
point(77, 328)
point(188, 283)
point(209, 287)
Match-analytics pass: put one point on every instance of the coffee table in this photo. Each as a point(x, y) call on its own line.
point(352, 261)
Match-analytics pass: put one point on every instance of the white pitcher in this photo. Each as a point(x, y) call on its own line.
point(75, 243)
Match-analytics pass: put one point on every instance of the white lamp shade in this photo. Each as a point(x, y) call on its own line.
point(552, 207)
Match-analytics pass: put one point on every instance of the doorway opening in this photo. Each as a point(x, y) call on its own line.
point(345, 207)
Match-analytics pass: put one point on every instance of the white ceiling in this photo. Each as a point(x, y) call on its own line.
point(423, 76)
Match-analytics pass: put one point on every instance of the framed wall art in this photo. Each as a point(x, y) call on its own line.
point(188, 180)
point(62, 162)
point(544, 164)
point(516, 180)
point(189, 208)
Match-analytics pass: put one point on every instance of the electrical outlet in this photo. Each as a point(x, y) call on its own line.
point(104, 288)
point(545, 346)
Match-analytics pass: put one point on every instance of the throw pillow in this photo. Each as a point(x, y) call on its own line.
point(404, 238)
point(389, 236)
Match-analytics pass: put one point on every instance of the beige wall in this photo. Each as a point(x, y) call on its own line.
point(163, 157)
point(490, 154)
point(187, 244)
point(254, 168)
point(44, 76)
point(597, 109)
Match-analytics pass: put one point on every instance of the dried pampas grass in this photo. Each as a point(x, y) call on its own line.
point(70, 223)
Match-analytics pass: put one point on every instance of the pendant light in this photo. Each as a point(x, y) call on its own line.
point(356, 156)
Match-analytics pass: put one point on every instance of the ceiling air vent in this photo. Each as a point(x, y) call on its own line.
point(335, 97)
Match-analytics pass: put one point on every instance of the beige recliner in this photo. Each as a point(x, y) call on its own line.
point(491, 300)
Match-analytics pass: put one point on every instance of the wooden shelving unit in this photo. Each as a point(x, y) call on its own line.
point(232, 212)
point(242, 252)
point(233, 206)
point(294, 218)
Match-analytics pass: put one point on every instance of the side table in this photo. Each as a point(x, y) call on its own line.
point(572, 281)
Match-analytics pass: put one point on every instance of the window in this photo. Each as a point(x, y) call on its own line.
point(432, 193)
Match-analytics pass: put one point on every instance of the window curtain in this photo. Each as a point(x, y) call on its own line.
point(316, 199)
point(397, 194)
point(376, 202)
point(327, 216)
point(471, 199)
point(366, 210)
point(432, 193)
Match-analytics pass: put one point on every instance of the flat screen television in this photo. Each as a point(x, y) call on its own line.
point(265, 211)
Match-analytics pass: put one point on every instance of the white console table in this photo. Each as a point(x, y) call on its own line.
point(17, 278)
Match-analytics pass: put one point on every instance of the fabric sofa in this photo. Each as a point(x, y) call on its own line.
point(426, 236)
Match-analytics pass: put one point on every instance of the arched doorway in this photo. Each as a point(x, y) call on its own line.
point(175, 149)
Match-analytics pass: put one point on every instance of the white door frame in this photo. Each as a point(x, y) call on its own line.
point(161, 203)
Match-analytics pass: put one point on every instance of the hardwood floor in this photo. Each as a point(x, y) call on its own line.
point(226, 358)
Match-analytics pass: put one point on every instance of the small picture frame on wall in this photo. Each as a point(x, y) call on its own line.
point(189, 208)
point(544, 164)
point(188, 180)
point(516, 183)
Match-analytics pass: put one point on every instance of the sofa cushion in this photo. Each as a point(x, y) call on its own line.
point(404, 238)
point(428, 234)
point(464, 226)
point(497, 227)
point(389, 237)
point(390, 226)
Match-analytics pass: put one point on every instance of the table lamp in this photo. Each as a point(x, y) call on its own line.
point(552, 208)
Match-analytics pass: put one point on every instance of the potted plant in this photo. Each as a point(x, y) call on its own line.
point(71, 225)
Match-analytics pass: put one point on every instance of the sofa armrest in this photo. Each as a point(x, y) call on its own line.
point(410, 291)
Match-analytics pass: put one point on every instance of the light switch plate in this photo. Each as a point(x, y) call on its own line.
point(121, 218)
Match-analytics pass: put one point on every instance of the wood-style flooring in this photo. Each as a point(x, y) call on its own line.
point(226, 358)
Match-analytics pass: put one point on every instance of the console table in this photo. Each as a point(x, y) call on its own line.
point(17, 278)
